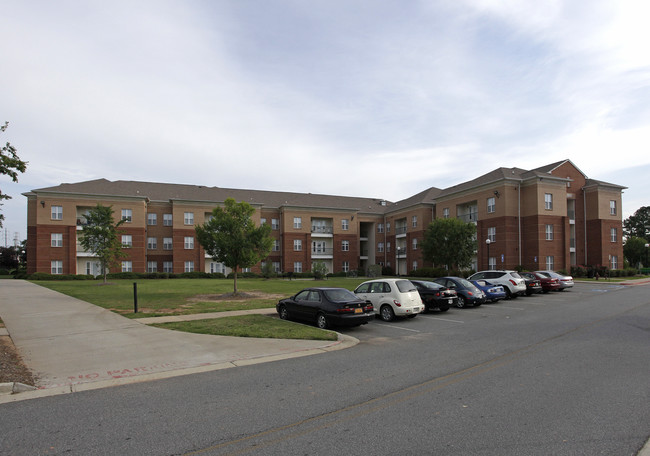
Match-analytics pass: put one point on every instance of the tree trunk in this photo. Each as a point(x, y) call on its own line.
point(235, 277)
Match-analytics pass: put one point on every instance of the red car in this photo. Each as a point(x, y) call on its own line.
point(548, 283)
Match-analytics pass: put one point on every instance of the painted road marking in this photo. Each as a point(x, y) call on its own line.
point(441, 319)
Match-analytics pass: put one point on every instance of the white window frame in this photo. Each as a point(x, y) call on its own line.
point(548, 201)
point(445, 212)
point(127, 215)
point(492, 263)
point(127, 241)
point(276, 245)
point(346, 266)
point(297, 223)
point(492, 234)
point(387, 247)
point(56, 239)
point(152, 243)
point(491, 205)
point(613, 234)
point(168, 266)
point(168, 219)
point(549, 232)
point(345, 224)
point(56, 267)
point(168, 243)
point(297, 245)
point(414, 221)
point(550, 263)
point(345, 246)
point(127, 266)
point(380, 228)
point(275, 224)
point(380, 247)
point(188, 242)
point(188, 266)
point(276, 267)
point(263, 221)
point(614, 262)
point(388, 227)
point(152, 219)
point(415, 265)
point(188, 218)
point(152, 266)
point(612, 207)
point(414, 243)
point(297, 266)
point(57, 212)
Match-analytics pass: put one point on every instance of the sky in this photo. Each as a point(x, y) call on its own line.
point(381, 98)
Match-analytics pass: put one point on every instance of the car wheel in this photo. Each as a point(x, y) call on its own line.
point(461, 302)
point(508, 294)
point(321, 321)
point(284, 313)
point(387, 313)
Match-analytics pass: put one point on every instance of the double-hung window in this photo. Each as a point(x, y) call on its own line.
point(127, 266)
point(152, 219)
point(189, 266)
point(549, 232)
point(345, 246)
point(57, 212)
point(188, 218)
point(297, 266)
point(56, 267)
point(548, 201)
point(152, 266)
point(152, 243)
point(297, 245)
point(127, 241)
point(414, 221)
point(167, 220)
point(127, 215)
point(168, 244)
point(380, 247)
point(276, 245)
point(613, 234)
point(491, 205)
point(188, 243)
point(345, 224)
point(56, 239)
point(168, 266)
point(612, 207)
point(492, 234)
point(297, 223)
point(275, 224)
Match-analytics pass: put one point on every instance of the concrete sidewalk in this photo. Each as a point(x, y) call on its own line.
point(71, 345)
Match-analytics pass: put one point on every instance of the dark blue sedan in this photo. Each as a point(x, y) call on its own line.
point(492, 292)
point(326, 307)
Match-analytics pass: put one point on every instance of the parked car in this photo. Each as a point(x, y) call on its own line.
point(565, 281)
point(492, 292)
point(326, 307)
point(512, 282)
point(391, 297)
point(466, 291)
point(435, 296)
point(548, 283)
point(533, 284)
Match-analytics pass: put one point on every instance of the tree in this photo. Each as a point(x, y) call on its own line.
point(638, 225)
point(10, 165)
point(635, 251)
point(449, 242)
point(319, 269)
point(100, 236)
point(231, 237)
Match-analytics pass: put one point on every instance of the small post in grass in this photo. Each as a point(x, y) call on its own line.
point(135, 297)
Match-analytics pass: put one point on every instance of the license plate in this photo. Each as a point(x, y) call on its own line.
point(450, 301)
point(358, 310)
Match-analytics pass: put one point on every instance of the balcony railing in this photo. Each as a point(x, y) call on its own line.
point(470, 217)
point(322, 251)
point(320, 229)
point(400, 230)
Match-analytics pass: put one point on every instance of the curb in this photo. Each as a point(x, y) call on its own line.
point(14, 388)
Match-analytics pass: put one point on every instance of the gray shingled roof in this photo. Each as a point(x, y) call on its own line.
point(166, 192)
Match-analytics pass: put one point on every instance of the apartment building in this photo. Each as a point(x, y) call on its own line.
point(551, 217)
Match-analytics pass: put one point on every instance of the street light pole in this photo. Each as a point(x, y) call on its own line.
point(488, 242)
point(646, 255)
point(397, 261)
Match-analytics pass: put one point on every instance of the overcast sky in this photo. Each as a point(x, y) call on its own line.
point(344, 97)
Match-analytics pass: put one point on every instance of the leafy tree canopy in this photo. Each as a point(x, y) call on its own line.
point(449, 242)
point(231, 237)
point(100, 236)
point(638, 224)
point(10, 165)
point(635, 251)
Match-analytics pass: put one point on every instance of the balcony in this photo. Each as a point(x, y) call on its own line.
point(322, 230)
point(322, 252)
point(400, 230)
point(470, 217)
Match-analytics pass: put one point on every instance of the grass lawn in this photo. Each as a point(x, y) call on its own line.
point(188, 296)
point(251, 326)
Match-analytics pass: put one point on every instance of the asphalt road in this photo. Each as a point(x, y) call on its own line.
point(564, 373)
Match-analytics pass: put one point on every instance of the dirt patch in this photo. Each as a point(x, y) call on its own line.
point(12, 368)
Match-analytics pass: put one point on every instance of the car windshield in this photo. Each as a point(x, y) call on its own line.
point(405, 286)
point(515, 275)
point(339, 295)
point(430, 285)
point(467, 284)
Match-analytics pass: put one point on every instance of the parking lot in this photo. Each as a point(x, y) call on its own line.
point(456, 321)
